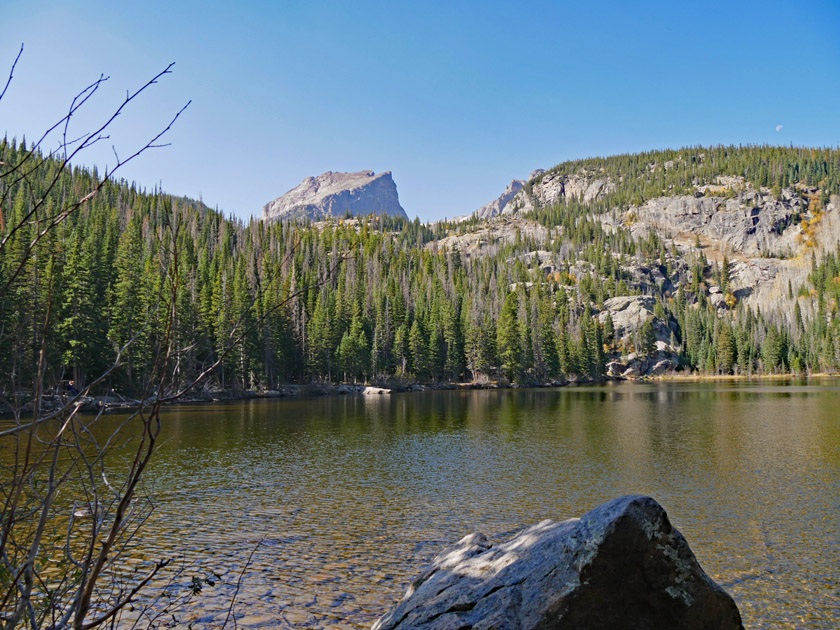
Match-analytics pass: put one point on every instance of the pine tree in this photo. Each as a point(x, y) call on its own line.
point(129, 307)
point(76, 321)
point(773, 349)
point(402, 350)
point(726, 349)
point(725, 274)
point(507, 337)
point(647, 338)
point(419, 349)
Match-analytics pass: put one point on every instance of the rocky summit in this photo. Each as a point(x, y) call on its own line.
point(336, 195)
point(498, 205)
point(621, 566)
point(495, 207)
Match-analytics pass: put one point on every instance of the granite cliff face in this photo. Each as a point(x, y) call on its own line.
point(546, 189)
point(337, 194)
point(769, 237)
point(551, 188)
point(495, 207)
point(751, 222)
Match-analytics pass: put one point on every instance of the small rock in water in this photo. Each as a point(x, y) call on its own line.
point(620, 566)
point(375, 391)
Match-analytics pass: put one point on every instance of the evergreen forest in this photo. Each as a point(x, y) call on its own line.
point(385, 300)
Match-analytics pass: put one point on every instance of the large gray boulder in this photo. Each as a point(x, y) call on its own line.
point(622, 565)
point(628, 313)
point(336, 194)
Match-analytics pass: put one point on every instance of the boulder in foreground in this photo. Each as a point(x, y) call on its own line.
point(620, 566)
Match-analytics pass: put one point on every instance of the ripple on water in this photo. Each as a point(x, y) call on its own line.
point(340, 502)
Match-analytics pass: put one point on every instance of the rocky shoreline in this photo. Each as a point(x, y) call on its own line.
point(115, 402)
point(111, 403)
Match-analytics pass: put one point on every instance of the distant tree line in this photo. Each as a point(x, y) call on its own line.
point(379, 298)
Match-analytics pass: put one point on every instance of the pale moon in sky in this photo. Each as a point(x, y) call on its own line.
point(779, 127)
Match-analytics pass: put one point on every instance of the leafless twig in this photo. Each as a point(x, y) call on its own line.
point(239, 586)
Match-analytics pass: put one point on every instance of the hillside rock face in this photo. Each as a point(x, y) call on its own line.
point(495, 207)
point(486, 238)
point(628, 312)
point(498, 205)
point(764, 235)
point(751, 223)
point(554, 188)
point(336, 194)
point(620, 566)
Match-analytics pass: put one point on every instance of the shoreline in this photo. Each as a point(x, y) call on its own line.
point(689, 378)
point(315, 390)
point(318, 390)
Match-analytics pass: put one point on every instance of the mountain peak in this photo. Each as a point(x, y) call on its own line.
point(334, 194)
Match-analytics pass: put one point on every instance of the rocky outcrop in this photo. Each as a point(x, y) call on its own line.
point(768, 237)
point(633, 366)
point(495, 207)
point(498, 205)
point(621, 566)
point(337, 194)
point(552, 188)
point(488, 238)
point(628, 313)
point(756, 225)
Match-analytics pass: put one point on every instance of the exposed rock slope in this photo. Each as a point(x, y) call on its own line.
point(495, 207)
point(337, 194)
point(486, 238)
point(768, 239)
point(620, 566)
point(550, 188)
point(768, 235)
point(498, 205)
point(751, 222)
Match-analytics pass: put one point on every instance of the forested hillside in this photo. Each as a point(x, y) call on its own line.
point(536, 296)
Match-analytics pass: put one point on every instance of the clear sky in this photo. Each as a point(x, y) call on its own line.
point(456, 98)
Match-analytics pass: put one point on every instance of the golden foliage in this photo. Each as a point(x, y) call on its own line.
point(731, 300)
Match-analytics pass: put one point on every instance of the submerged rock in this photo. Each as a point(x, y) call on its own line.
point(622, 565)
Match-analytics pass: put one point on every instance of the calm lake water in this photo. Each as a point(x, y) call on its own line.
point(343, 500)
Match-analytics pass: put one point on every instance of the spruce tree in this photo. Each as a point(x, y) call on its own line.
point(507, 338)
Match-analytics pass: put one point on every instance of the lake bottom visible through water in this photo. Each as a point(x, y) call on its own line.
point(339, 502)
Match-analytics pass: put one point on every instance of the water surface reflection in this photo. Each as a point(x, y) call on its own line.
point(352, 496)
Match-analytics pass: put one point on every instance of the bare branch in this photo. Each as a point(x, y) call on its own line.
point(11, 73)
point(125, 601)
point(88, 140)
point(239, 586)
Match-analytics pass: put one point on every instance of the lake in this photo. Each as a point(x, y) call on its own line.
point(340, 501)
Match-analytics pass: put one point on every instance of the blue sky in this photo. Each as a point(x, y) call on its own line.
point(456, 98)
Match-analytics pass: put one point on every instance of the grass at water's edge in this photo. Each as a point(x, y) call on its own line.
point(738, 377)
